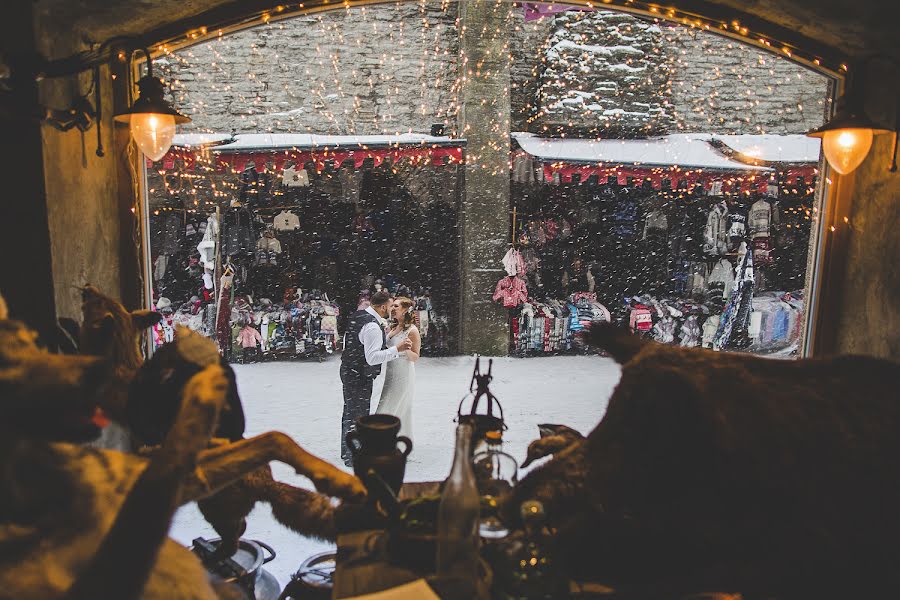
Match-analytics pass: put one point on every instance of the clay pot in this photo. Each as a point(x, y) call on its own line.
point(374, 446)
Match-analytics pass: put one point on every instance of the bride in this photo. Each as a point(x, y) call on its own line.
point(400, 375)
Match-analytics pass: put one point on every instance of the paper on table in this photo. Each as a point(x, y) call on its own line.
point(415, 590)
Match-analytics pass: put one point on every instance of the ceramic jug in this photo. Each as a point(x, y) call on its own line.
point(374, 446)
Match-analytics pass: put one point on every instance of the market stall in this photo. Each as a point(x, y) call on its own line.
point(661, 234)
point(267, 242)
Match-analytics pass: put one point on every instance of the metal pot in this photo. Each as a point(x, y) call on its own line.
point(314, 580)
point(243, 568)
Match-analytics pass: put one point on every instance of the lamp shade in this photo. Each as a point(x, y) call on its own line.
point(152, 119)
point(846, 139)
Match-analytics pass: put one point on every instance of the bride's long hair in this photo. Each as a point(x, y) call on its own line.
point(408, 318)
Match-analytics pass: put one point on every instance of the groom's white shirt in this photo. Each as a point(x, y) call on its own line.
point(371, 337)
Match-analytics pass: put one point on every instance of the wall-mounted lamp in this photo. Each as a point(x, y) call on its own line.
point(151, 117)
point(847, 136)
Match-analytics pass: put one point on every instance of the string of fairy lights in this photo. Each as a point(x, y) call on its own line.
point(398, 67)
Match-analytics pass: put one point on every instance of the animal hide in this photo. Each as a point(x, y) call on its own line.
point(151, 408)
point(70, 528)
point(728, 471)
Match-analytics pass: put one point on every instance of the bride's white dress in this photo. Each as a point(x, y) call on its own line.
point(399, 388)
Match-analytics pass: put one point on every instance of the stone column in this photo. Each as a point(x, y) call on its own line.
point(484, 121)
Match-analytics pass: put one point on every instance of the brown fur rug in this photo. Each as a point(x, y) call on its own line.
point(732, 472)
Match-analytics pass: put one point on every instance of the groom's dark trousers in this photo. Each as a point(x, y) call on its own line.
point(356, 376)
point(357, 396)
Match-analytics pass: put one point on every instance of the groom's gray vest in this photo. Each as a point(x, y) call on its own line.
point(353, 359)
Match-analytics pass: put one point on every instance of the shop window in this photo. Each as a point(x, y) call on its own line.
point(648, 182)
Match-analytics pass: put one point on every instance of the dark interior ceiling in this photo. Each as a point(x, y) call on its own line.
point(852, 27)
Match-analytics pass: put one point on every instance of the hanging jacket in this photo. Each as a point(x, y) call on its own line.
point(249, 191)
point(697, 278)
point(249, 336)
point(760, 219)
point(715, 236)
point(295, 177)
point(513, 262)
point(625, 218)
point(721, 279)
point(286, 221)
point(737, 225)
point(512, 291)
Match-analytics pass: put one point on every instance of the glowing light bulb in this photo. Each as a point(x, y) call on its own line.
point(153, 133)
point(845, 149)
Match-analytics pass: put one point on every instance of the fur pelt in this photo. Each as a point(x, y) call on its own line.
point(150, 417)
point(110, 331)
point(81, 491)
point(728, 471)
point(151, 407)
point(77, 522)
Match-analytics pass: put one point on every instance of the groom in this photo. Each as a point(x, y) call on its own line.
point(365, 350)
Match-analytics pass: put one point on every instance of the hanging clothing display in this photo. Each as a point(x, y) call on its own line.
point(286, 221)
point(640, 319)
point(760, 219)
point(721, 279)
point(715, 236)
point(737, 226)
point(511, 291)
point(736, 315)
point(513, 262)
point(294, 177)
point(690, 332)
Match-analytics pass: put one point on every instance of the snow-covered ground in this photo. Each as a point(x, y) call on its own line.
point(304, 400)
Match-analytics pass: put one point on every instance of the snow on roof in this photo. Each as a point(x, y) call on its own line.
point(188, 140)
point(273, 141)
point(796, 148)
point(681, 149)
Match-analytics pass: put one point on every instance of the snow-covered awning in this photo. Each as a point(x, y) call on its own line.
point(683, 150)
point(199, 140)
point(766, 149)
point(235, 152)
point(243, 142)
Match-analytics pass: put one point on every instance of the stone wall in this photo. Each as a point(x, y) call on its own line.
point(603, 73)
point(354, 71)
point(388, 69)
point(722, 86)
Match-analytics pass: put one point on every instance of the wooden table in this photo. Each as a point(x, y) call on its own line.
point(362, 566)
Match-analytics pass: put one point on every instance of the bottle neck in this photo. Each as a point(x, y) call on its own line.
point(463, 450)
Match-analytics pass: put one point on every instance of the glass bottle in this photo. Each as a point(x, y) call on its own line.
point(457, 541)
point(496, 472)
